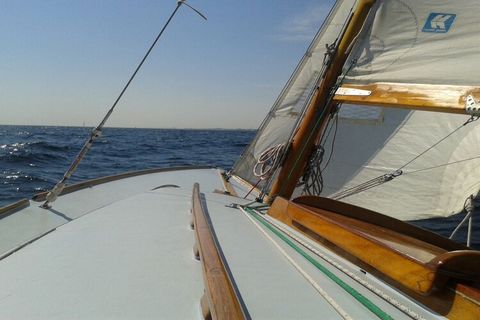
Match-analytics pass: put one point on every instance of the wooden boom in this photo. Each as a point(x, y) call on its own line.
point(439, 98)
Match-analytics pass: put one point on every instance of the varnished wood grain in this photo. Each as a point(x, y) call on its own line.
point(443, 283)
point(14, 207)
point(318, 111)
point(227, 186)
point(439, 98)
point(381, 220)
point(223, 301)
point(417, 265)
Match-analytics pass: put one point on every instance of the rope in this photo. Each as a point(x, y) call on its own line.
point(266, 164)
point(354, 293)
point(268, 161)
point(441, 165)
point(313, 179)
point(317, 287)
point(398, 172)
point(313, 176)
point(366, 284)
point(470, 120)
point(375, 182)
point(320, 117)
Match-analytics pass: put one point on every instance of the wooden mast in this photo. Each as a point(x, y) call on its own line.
point(304, 139)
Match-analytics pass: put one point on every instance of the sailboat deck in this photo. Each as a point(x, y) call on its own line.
point(131, 256)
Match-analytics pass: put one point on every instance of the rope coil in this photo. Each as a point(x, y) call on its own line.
point(268, 161)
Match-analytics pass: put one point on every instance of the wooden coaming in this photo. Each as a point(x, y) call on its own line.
point(445, 281)
point(439, 98)
point(221, 300)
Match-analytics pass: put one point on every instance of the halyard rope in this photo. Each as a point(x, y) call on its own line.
point(366, 284)
point(354, 293)
point(317, 287)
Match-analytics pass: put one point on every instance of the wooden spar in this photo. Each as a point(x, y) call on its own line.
point(220, 300)
point(439, 98)
point(311, 126)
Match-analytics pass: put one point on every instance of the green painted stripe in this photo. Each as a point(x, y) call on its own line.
point(354, 293)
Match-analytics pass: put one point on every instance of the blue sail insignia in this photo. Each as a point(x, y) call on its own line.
point(439, 22)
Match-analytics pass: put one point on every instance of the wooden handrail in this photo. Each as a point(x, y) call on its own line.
point(221, 299)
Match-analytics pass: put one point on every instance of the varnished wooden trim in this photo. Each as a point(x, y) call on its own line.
point(223, 300)
point(246, 184)
point(317, 113)
point(456, 300)
point(14, 207)
point(381, 220)
point(416, 264)
point(93, 182)
point(439, 98)
point(227, 186)
point(205, 306)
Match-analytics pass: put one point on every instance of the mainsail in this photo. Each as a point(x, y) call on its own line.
point(411, 55)
point(282, 120)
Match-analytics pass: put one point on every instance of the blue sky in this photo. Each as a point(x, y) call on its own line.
point(63, 62)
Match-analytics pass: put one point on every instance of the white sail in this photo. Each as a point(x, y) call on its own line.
point(280, 123)
point(427, 49)
point(426, 42)
point(435, 184)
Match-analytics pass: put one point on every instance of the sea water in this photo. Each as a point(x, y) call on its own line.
point(34, 158)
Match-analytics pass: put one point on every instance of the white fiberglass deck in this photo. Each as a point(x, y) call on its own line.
point(128, 255)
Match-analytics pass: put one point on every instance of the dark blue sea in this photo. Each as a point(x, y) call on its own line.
point(34, 158)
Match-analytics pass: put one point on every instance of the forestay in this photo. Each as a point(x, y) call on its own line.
point(280, 123)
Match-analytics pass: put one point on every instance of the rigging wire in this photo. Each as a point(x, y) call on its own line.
point(398, 172)
point(97, 131)
point(441, 165)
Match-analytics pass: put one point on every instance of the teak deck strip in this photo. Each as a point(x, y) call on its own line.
point(220, 300)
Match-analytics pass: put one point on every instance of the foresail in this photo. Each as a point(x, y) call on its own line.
point(281, 122)
point(374, 142)
point(418, 54)
point(407, 163)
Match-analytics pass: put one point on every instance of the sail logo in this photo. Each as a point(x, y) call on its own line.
point(439, 22)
